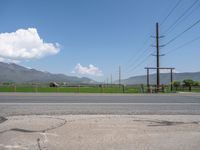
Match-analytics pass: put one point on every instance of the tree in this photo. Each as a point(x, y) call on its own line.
point(188, 83)
point(176, 84)
point(196, 83)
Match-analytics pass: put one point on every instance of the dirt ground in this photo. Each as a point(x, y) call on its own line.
point(100, 132)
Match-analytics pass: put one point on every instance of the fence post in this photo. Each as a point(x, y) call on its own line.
point(123, 88)
point(58, 89)
point(36, 88)
point(14, 88)
point(78, 89)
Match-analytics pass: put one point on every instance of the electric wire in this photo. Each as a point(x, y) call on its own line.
point(183, 45)
point(171, 11)
point(140, 50)
point(183, 14)
point(139, 64)
point(184, 18)
point(180, 34)
point(178, 20)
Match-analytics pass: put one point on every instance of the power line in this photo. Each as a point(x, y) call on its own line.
point(140, 53)
point(139, 57)
point(183, 45)
point(171, 11)
point(180, 34)
point(143, 61)
point(136, 68)
point(140, 50)
point(164, 20)
point(183, 19)
point(184, 13)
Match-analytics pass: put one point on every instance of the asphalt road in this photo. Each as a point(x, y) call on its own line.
point(62, 104)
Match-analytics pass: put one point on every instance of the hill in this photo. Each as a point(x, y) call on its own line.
point(11, 72)
point(164, 78)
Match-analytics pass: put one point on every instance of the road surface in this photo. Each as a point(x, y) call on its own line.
point(145, 121)
point(115, 104)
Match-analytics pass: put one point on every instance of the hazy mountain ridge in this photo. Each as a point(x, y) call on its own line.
point(11, 72)
point(164, 78)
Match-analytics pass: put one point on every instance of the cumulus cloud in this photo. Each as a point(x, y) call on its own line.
point(25, 44)
point(9, 60)
point(90, 70)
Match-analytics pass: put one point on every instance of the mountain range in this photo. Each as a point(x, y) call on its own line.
point(10, 72)
point(164, 78)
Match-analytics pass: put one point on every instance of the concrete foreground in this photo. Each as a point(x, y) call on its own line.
point(100, 132)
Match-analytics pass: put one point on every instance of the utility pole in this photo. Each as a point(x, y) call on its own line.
point(148, 85)
point(158, 56)
point(111, 79)
point(119, 76)
point(158, 62)
point(171, 72)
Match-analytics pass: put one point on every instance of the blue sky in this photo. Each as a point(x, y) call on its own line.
point(102, 34)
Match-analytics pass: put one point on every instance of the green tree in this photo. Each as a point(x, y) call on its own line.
point(196, 83)
point(188, 83)
point(176, 84)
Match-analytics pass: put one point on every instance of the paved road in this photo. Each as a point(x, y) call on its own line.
point(62, 104)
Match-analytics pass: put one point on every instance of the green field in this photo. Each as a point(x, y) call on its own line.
point(75, 89)
point(85, 89)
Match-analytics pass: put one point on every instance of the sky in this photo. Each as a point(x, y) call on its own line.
point(92, 38)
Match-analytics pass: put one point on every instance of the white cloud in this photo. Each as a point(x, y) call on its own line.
point(90, 70)
point(25, 44)
point(8, 60)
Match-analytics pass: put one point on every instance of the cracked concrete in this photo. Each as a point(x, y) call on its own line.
point(29, 125)
point(97, 132)
point(2, 119)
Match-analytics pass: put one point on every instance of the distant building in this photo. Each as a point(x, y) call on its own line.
point(53, 84)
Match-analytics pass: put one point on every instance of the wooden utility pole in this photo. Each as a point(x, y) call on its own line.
point(158, 57)
point(119, 76)
point(148, 84)
point(111, 79)
point(152, 68)
point(171, 71)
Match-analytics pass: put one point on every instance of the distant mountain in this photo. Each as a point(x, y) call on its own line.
point(164, 78)
point(10, 72)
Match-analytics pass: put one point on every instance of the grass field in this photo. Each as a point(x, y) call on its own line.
point(84, 89)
